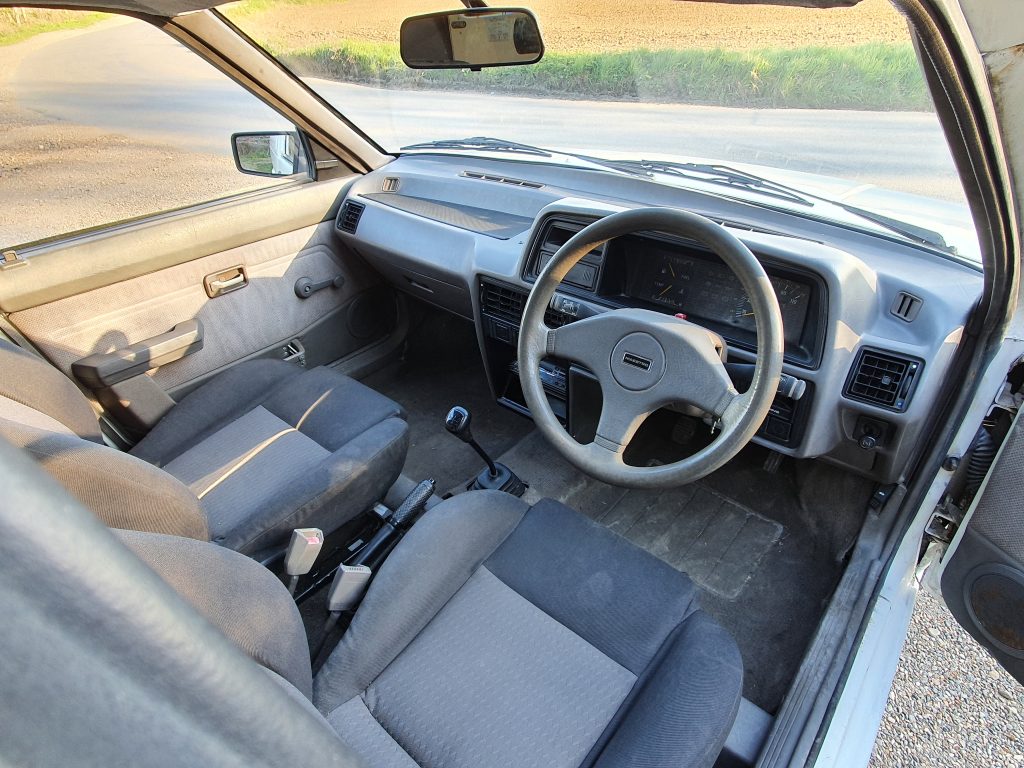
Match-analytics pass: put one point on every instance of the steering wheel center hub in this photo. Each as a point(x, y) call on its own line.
point(638, 361)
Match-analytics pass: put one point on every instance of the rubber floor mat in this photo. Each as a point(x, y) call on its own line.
point(718, 542)
point(714, 539)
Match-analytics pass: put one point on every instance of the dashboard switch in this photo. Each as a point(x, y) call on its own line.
point(565, 305)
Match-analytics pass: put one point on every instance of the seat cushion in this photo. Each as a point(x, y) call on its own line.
point(224, 398)
point(268, 447)
point(500, 634)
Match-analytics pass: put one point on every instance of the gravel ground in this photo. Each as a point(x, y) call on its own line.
point(950, 704)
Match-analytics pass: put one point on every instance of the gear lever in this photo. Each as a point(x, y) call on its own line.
point(457, 422)
point(495, 476)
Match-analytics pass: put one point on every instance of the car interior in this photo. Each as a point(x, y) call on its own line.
point(586, 482)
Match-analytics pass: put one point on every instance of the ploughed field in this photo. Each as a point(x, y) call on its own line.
point(597, 26)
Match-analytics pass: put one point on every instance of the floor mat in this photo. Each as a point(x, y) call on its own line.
point(715, 540)
point(765, 579)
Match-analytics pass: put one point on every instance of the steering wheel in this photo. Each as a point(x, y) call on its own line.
point(645, 360)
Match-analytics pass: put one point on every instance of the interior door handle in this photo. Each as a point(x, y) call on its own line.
point(305, 287)
point(219, 283)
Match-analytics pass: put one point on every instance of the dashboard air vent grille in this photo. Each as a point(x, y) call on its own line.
point(502, 179)
point(348, 216)
point(391, 184)
point(906, 306)
point(502, 303)
point(883, 379)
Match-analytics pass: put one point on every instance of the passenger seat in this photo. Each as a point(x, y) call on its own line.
point(260, 449)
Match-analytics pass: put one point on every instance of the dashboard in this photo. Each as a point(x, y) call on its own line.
point(871, 324)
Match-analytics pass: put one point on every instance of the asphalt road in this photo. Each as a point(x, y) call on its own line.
point(131, 79)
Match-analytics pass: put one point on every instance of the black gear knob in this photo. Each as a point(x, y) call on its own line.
point(457, 422)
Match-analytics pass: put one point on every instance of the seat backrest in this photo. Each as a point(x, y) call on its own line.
point(42, 412)
point(32, 382)
point(105, 664)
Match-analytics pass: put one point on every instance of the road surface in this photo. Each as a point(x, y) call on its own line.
point(134, 80)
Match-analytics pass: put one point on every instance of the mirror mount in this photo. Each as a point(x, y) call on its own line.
point(471, 38)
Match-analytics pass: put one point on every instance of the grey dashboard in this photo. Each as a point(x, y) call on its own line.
point(871, 323)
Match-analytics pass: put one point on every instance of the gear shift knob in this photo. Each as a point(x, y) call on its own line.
point(457, 422)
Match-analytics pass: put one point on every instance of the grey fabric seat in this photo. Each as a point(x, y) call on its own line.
point(259, 450)
point(497, 634)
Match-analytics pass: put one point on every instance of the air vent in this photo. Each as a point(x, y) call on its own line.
point(906, 306)
point(883, 379)
point(502, 303)
point(391, 184)
point(502, 180)
point(348, 216)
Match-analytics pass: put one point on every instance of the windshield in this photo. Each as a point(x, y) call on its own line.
point(829, 102)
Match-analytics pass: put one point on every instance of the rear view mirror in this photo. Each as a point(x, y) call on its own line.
point(270, 153)
point(471, 38)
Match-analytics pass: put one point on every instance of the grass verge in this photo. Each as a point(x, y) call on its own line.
point(874, 76)
point(17, 24)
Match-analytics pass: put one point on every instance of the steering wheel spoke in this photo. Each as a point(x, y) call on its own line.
point(584, 341)
point(619, 421)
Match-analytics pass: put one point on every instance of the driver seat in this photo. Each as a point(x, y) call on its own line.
point(508, 635)
point(496, 634)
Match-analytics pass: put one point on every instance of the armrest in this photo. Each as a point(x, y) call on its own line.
point(104, 369)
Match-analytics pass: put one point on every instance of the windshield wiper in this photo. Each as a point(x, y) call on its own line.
point(733, 177)
point(484, 143)
point(712, 173)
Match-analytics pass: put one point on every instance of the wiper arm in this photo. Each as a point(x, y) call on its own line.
point(723, 174)
point(919, 235)
point(715, 174)
point(484, 143)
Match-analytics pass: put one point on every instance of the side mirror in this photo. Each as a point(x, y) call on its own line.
point(471, 38)
point(270, 153)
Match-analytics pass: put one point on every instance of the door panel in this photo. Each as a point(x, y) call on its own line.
point(260, 318)
point(983, 575)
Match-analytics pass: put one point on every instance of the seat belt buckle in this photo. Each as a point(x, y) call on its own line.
point(347, 589)
point(303, 549)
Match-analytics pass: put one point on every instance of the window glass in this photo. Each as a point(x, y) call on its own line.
point(830, 101)
point(104, 118)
